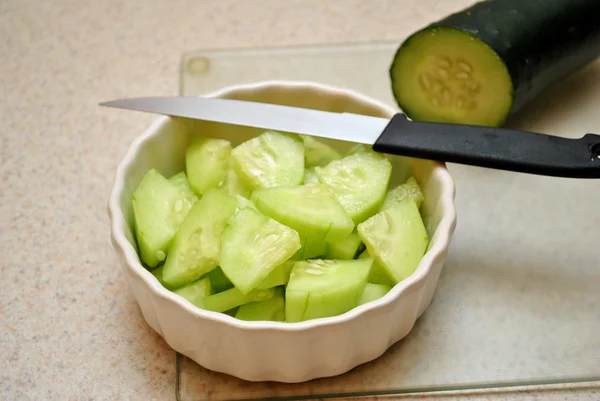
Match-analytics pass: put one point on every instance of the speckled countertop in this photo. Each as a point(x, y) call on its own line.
point(69, 327)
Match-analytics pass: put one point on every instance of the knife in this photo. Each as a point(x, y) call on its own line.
point(496, 148)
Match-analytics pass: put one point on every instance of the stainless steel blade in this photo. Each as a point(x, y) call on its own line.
point(342, 126)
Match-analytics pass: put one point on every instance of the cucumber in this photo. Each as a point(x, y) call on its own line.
point(484, 63)
point(159, 207)
point(310, 176)
point(396, 238)
point(317, 153)
point(196, 291)
point(377, 275)
point(252, 246)
point(218, 280)
point(359, 181)
point(323, 288)
point(409, 190)
point(345, 248)
point(313, 211)
point(180, 181)
point(272, 309)
point(279, 276)
point(270, 160)
point(232, 298)
point(232, 184)
point(373, 292)
point(206, 163)
point(197, 245)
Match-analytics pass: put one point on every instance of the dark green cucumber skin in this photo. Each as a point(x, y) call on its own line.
point(539, 41)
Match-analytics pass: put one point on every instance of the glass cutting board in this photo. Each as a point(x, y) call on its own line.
point(518, 301)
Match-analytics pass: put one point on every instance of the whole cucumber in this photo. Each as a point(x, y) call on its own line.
point(481, 64)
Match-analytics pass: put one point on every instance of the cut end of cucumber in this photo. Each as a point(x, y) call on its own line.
point(443, 74)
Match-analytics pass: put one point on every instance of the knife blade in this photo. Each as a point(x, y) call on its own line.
point(479, 146)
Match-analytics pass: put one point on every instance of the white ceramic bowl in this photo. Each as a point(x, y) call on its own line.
point(274, 351)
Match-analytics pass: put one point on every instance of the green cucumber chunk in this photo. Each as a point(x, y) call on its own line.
point(196, 291)
point(159, 207)
point(409, 190)
point(359, 181)
point(317, 153)
point(345, 248)
point(444, 74)
point(378, 274)
point(313, 211)
point(253, 245)
point(180, 181)
point(373, 292)
point(311, 248)
point(279, 276)
point(218, 280)
point(272, 309)
point(323, 288)
point(197, 245)
point(396, 238)
point(206, 163)
point(229, 299)
point(270, 160)
point(310, 176)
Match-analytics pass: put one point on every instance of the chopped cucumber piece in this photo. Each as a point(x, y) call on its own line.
point(197, 245)
point(232, 183)
point(272, 309)
point(158, 208)
point(377, 275)
point(409, 190)
point(313, 211)
point(310, 176)
point(180, 181)
point(218, 280)
point(279, 276)
point(311, 248)
point(359, 182)
point(196, 291)
point(345, 248)
point(373, 292)
point(396, 238)
point(253, 245)
point(270, 160)
point(226, 300)
point(322, 288)
point(317, 153)
point(206, 162)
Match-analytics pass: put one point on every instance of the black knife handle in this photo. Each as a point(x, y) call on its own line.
point(496, 148)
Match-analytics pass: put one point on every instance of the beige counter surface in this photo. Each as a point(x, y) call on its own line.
point(69, 327)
